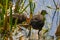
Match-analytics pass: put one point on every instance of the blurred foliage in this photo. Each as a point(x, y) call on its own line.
point(3, 3)
point(19, 6)
point(5, 25)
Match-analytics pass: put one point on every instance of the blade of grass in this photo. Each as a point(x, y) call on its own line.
point(55, 3)
point(0, 21)
point(2, 16)
point(6, 4)
point(24, 9)
point(31, 13)
point(10, 18)
point(17, 7)
point(33, 7)
point(23, 4)
point(1, 5)
point(5, 23)
point(5, 20)
point(15, 23)
point(30, 2)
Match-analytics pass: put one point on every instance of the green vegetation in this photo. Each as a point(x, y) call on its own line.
point(5, 25)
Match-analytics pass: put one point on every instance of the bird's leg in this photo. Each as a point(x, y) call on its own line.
point(38, 35)
point(29, 33)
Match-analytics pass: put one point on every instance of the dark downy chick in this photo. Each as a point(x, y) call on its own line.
point(37, 22)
